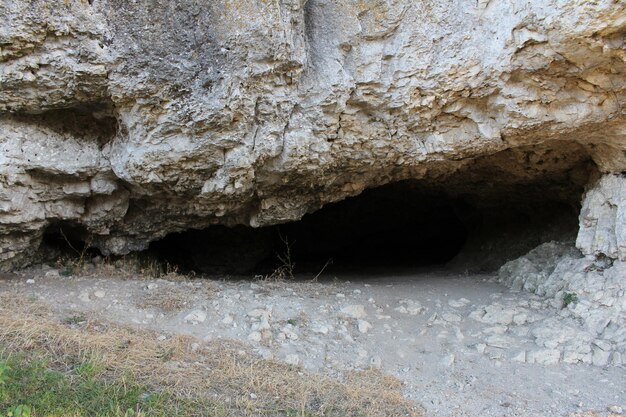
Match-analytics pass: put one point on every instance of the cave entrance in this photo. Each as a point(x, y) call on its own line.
point(471, 216)
point(393, 225)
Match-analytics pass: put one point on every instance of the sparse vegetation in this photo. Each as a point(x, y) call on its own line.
point(133, 265)
point(98, 369)
point(173, 299)
point(286, 267)
point(35, 386)
point(569, 298)
point(75, 319)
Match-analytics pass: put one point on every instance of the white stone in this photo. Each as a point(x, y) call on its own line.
point(519, 357)
point(447, 360)
point(364, 326)
point(257, 313)
point(320, 329)
point(195, 316)
point(500, 341)
point(477, 314)
point(411, 307)
point(255, 336)
point(600, 357)
point(99, 294)
point(461, 302)
point(496, 314)
point(355, 311)
point(543, 356)
point(376, 362)
point(292, 359)
point(451, 317)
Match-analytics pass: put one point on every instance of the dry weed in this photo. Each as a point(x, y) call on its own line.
point(224, 371)
point(174, 298)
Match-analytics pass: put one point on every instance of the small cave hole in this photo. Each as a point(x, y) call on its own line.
point(66, 242)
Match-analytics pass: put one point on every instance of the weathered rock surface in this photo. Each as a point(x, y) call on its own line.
point(588, 282)
point(131, 120)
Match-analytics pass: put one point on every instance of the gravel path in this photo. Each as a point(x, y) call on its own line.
point(463, 345)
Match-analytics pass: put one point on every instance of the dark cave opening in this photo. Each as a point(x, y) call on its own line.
point(381, 227)
point(66, 240)
point(401, 225)
point(469, 218)
point(474, 218)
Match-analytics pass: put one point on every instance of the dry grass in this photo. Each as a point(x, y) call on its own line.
point(225, 372)
point(174, 298)
point(134, 266)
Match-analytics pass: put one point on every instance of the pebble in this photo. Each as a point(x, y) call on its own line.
point(320, 329)
point(544, 356)
point(355, 311)
point(292, 359)
point(447, 360)
point(255, 336)
point(600, 357)
point(257, 312)
point(99, 294)
point(30, 281)
point(499, 341)
point(451, 317)
point(519, 357)
point(196, 316)
point(411, 307)
point(364, 326)
point(228, 319)
point(462, 302)
point(496, 314)
point(376, 362)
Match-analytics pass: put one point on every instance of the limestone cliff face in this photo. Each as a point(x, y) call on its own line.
point(136, 119)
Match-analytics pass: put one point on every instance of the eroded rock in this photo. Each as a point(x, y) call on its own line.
point(135, 120)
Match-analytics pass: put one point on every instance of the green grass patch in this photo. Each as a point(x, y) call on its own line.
point(31, 387)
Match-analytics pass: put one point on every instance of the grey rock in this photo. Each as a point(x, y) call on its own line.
point(260, 113)
point(195, 316)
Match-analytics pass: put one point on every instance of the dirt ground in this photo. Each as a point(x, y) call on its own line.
point(462, 345)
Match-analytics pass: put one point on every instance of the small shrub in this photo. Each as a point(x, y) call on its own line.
point(286, 267)
point(569, 298)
